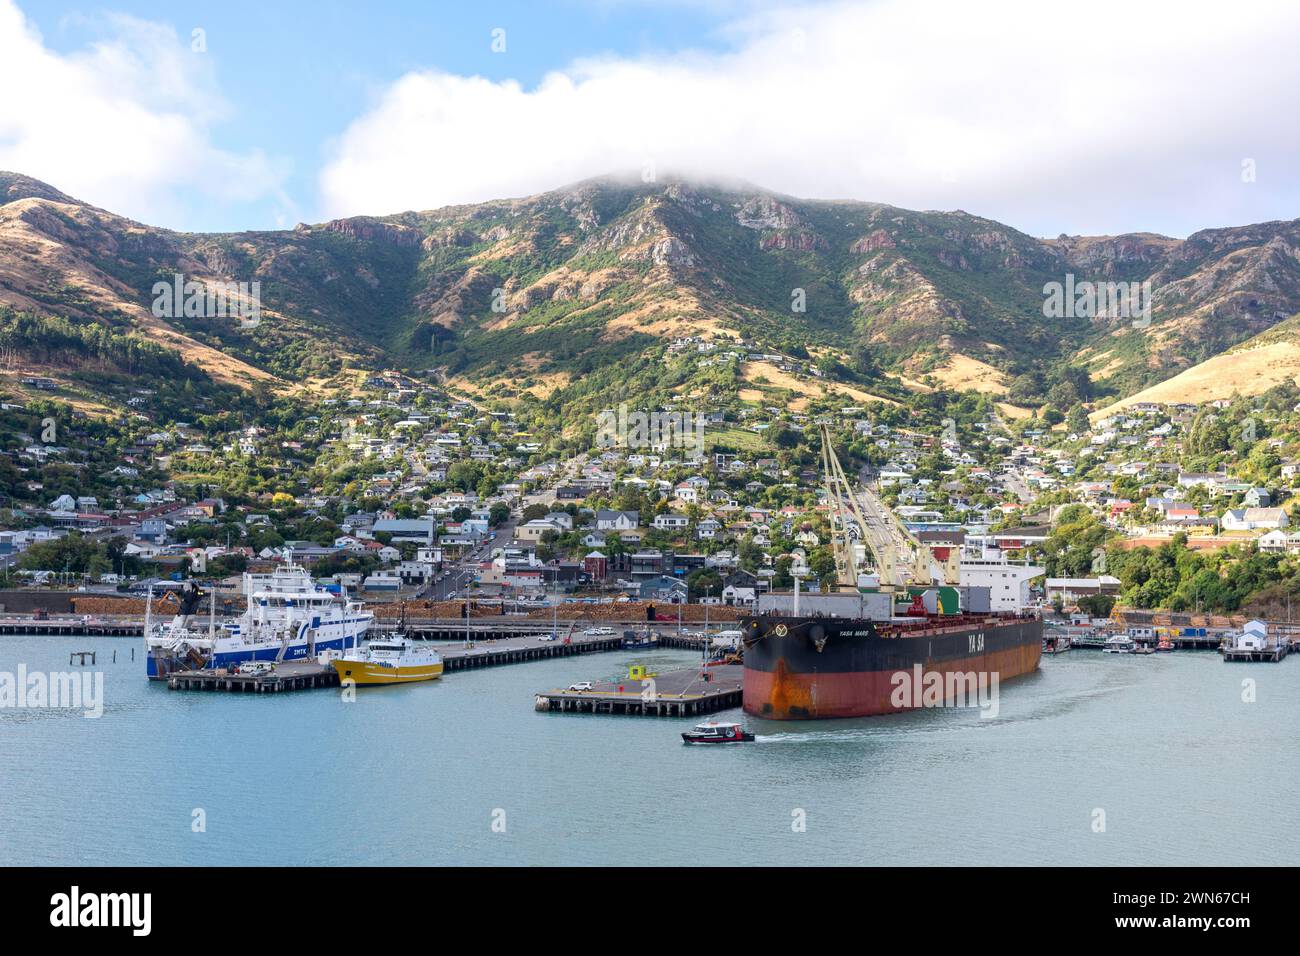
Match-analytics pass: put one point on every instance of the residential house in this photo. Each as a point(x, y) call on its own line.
point(671, 521)
point(617, 520)
point(663, 588)
point(1253, 519)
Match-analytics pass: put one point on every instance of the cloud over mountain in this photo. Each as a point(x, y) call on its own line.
point(1080, 117)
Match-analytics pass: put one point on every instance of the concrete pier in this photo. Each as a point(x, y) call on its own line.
point(680, 693)
point(291, 675)
point(68, 627)
point(301, 675)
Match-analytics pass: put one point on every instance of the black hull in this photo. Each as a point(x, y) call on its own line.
point(815, 667)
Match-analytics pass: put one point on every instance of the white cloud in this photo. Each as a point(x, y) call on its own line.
point(1104, 115)
point(126, 124)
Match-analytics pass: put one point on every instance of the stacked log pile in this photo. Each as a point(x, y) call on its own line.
point(100, 605)
point(165, 605)
point(636, 611)
point(625, 611)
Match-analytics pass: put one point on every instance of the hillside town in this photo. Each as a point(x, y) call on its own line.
point(401, 491)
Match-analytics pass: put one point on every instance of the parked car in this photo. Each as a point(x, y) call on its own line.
point(582, 685)
point(546, 637)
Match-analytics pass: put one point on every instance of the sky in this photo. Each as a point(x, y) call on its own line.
point(1095, 117)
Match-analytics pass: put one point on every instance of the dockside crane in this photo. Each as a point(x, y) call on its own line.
point(901, 559)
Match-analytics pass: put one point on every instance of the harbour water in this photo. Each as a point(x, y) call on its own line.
point(464, 771)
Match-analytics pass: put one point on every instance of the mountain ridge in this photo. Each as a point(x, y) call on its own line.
point(535, 294)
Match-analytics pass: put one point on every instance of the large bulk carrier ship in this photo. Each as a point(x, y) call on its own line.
point(848, 653)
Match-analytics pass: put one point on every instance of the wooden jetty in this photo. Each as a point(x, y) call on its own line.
point(292, 675)
point(1086, 638)
point(518, 649)
point(1272, 652)
point(682, 641)
point(1095, 639)
point(680, 693)
point(455, 629)
point(1256, 641)
point(69, 627)
point(304, 675)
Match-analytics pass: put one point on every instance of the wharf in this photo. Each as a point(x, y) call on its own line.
point(514, 650)
point(1272, 652)
point(1091, 639)
point(1185, 642)
point(1083, 638)
point(679, 693)
point(71, 627)
point(290, 675)
point(306, 674)
point(455, 629)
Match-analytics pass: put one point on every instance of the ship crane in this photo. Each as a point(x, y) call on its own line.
point(901, 560)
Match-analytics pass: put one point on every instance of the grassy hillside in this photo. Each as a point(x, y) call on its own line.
point(572, 296)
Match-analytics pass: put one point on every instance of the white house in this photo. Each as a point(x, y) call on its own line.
point(1278, 540)
point(617, 520)
point(1253, 519)
point(671, 521)
point(686, 492)
point(1253, 637)
point(738, 597)
point(383, 581)
point(561, 519)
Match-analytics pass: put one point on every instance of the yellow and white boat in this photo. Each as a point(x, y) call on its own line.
point(391, 660)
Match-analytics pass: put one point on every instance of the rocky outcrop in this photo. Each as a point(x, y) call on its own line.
point(671, 251)
point(1109, 256)
point(798, 240)
point(447, 238)
point(372, 230)
point(764, 212)
point(872, 241)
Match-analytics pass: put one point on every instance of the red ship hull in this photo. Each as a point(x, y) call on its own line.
point(815, 668)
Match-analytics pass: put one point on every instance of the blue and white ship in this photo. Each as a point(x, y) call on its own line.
point(289, 617)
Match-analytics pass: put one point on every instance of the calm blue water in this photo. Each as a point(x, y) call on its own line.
point(1184, 770)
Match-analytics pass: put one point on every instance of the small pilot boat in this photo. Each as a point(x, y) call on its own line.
point(392, 660)
point(716, 732)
